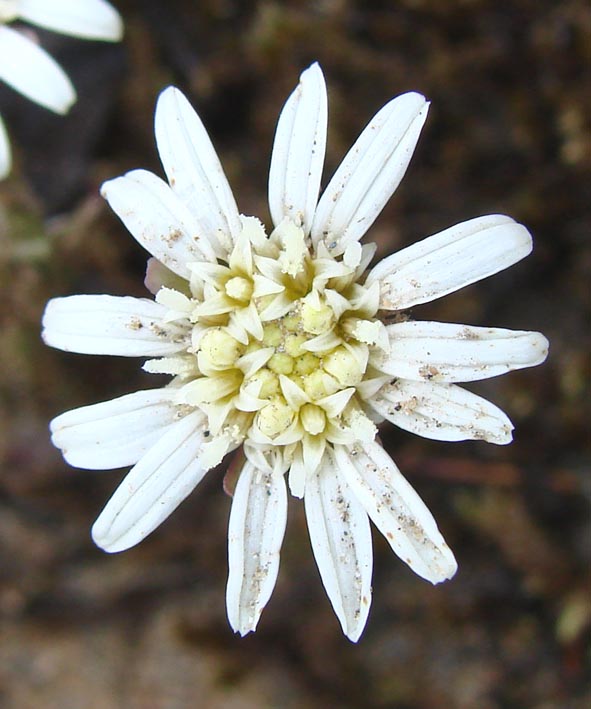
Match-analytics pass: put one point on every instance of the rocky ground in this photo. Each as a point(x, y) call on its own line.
point(506, 133)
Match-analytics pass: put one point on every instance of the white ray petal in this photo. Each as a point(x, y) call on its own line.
point(447, 352)
point(5, 152)
point(255, 534)
point(32, 72)
point(194, 170)
point(160, 222)
point(341, 541)
point(445, 262)
point(397, 511)
point(110, 325)
point(369, 173)
point(443, 412)
point(116, 433)
point(298, 152)
point(88, 19)
point(154, 487)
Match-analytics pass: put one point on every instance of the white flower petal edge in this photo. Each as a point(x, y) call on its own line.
point(257, 525)
point(442, 412)
point(396, 510)
point(341, 540)
point(446, 352)
point(194, 170)
point(158, 220)
point(111, 325)
point(450, 260)
point(87, 19)
point(33, 73)
point(154, 487)
point(370, 173)
point(298, 152)
point(5, 152)
point(116, 433)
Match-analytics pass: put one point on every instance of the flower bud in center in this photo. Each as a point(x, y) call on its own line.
point(313, 419)
point(317, 317)
point(275, 418)
point(219, 349)
point(343, 366)
point(239, 288)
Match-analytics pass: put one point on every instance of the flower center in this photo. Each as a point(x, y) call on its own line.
point(280, 339)
point(239, 288)
point(293, 337)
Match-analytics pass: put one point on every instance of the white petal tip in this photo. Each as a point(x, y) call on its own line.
point(243, 626)
point(168, 94)
point(107, 542)
point(421, 105)
point(502, 439)
point(354, 634)
point(313, 71)
point(106, 188)
point(539, 347)
point(444, 569)
point(116, 31)
point(243, 632)
point(105, 546)
point(67, 103)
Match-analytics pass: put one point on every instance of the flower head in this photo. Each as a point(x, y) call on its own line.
point(28, 68)
point(274, 342)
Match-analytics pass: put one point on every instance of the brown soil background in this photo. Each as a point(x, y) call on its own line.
point(146, 629)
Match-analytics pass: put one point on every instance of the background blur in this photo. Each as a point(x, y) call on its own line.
point(506, 133)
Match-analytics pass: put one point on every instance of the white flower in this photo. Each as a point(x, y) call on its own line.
point(274, 342)
point(28, 68)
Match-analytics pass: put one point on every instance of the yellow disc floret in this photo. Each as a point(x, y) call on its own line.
point(239, 288)
point(268, 382)
point(319, 384)
point(281, 363)
point(307, 364)
point(313, 419)
point(219, 349)
point(343, 366)
point(275, 417)
point(317, 316)
point(272, 335)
